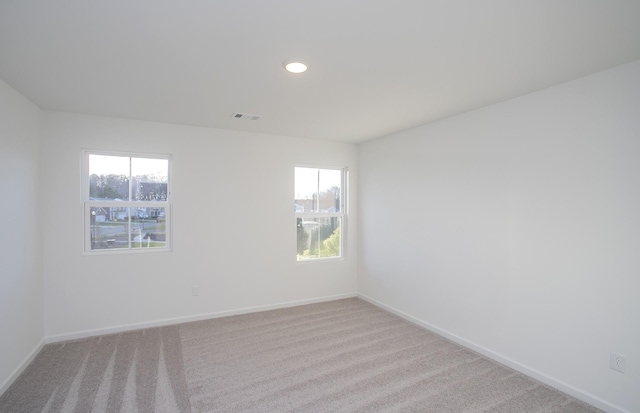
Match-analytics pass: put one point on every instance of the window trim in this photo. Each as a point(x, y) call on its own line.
point(344, 211)
point(87, 204)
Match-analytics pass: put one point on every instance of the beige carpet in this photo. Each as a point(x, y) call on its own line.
point(339, 356)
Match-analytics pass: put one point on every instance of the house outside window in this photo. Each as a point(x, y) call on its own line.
point(126, 202)
point(320, 210)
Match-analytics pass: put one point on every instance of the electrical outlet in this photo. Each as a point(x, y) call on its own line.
point(617, 362)
point(195, 290)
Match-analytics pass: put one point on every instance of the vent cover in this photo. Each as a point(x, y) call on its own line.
point(247, 116)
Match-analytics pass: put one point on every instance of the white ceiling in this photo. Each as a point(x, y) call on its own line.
point(375, 66)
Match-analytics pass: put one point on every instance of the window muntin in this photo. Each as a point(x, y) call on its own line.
point(319, 209)
point(126, 202)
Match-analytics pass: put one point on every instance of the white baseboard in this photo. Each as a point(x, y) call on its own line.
point(177, 320)
point(18, 371)
point(533, 373)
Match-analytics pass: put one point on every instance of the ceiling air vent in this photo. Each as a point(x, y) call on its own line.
point(238, 115)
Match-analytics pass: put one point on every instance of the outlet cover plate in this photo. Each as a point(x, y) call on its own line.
point(617, 362)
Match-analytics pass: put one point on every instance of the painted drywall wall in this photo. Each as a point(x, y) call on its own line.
point(21, 287)
point(516, 227)
point(233, 226)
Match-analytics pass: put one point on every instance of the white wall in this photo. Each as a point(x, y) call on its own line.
point(233, 226)
point(21, 288)
point(516, 228)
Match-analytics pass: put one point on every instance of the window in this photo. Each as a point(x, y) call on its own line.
point(319, 203)
point(126, 202)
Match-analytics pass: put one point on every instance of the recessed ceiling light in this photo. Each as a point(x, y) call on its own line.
point(295, 67)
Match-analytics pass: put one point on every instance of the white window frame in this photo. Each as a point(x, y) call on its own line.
point(342, 214)
point(87, 204)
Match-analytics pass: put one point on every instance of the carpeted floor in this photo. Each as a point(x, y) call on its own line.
point(340, 356)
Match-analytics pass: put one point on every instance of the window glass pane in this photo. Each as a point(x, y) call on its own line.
point(306, 189)
point(149, 179)
point(109, 227)
point(318, 237)
point(148, 227)
point(329, 184)
point(317, 190)
point(108, 177)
